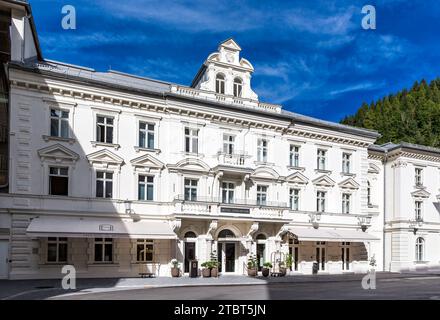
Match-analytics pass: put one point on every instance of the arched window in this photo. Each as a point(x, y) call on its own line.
point(220, 83)
point(368, 193)
point(261, 236)
point(420, 249)
point(226, 233)
point(238, 85)
point(190, 234)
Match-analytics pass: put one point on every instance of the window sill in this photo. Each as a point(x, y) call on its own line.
point(53, 264)
point(105, 144)
point(103, 264)
point(138, 149)
point(323, 171)
point(296, 168)
point(193, 154)
point(420, 186)
point(264, 163)
point(348, 174)
point(53, 138)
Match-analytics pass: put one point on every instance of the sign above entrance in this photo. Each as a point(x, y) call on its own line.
point(235, 210)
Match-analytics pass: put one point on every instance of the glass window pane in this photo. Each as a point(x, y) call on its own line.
point(99, 189)
point(54, 127)
point(142, 125)
point(65, 114)
point(64, 129)
point(98, 252)
point(52, 252)
point(142, 139)
point(109, 175)
point(141, 192)
point(64, 171)
point(140, 252)
point(150, 179)
point(141, 178)
point(108, 189)
point(62, 252)
point(100, 174)
point(100, 119)
point(54, 113)
point(109, 121)
point(109, 137)
point(108, 255)
point(150, 140)
point(149, 192)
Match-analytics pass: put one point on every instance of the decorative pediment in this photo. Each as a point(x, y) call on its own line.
point(372, 168)
point(265, 173)
point(324, 181)
point(297, 177)
point(58, 153)
point(190, 164)
point(230, 44)
point(147, 161)
point(349, 183)
point(105, 158)
point(421, 193)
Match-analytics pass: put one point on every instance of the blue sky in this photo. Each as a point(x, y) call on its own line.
point(313, 57)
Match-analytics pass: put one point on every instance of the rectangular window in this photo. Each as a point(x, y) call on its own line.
point(228, 144)
point(321, 159)
point(104, 184)
point(58, 181)
point(191, 189)
point(346, 165)
point(228, 192)
point(191, 140)
point(320, 201)
point(103, 250)
point(294, 199)
point(59, 123)
point(144, 250)
point(346, 202)
point(146, 135)
point(261, 195)
point(57, 250)
point(146, 188)
point(418, 210)
point(294, 156)
point(104, 129)
point(418, 176)
point(262, 150)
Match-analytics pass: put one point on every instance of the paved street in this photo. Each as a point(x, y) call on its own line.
point(388, 286)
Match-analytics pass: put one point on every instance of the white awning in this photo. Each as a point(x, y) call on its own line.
point(85, 227)
point(338, 235)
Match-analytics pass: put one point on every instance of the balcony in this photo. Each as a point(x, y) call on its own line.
point(247, 208)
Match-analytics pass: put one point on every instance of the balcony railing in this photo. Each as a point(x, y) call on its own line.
point(234, 159)
point(240, 202)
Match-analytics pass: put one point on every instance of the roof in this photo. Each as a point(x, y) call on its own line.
point(128, 82)
point(389, 147)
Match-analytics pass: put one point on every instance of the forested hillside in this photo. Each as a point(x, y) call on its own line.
point(410, 115)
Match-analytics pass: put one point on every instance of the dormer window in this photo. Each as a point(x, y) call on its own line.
point(238, 85)
point(220, 83)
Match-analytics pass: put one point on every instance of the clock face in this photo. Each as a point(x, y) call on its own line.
point(229, 57)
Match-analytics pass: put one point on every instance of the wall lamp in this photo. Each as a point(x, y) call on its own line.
point(364, 222)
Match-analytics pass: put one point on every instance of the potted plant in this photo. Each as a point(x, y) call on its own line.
point(372, 262)
point(289, 262)
point(206, 271)
point(214, 264)
point(252, 266)
point(266, 269)
point(283, 269)
point(175, 270)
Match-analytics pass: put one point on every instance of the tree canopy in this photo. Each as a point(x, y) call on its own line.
point(409, 115)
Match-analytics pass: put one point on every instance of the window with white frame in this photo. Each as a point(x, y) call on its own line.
point(59, 123)
point(56, 249)
point(146, 135)
point(261, 195)
point(346, 162)
point(418, 210)
point(144, 250)
point(104, 184)
point(191, 189)
point(228, 189)
point(420, 249)
point(103, 250)
point(145, 187)
point(104, 129)
point(346, 197)
point(228, 143)
point(418, 175)
point(220, 83)
point(59, 181)
point(321, 159)
point(320, 201)
point(294, 156)
point(368, 193)
point(262, 150)
point(238, 85)
point(191, 140)
point(294, 199)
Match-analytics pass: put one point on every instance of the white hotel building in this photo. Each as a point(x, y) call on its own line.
point(106, 171)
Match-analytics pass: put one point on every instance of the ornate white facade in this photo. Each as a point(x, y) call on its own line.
point(110, 171)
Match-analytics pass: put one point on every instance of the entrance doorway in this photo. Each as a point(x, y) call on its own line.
point(294, 252)
point(320, 255)
point(189, 249)
point(4, 259)
point(226, 256)
point(261, 250)
point(345, 256)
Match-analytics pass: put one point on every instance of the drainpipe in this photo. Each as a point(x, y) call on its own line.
point(384, 209)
